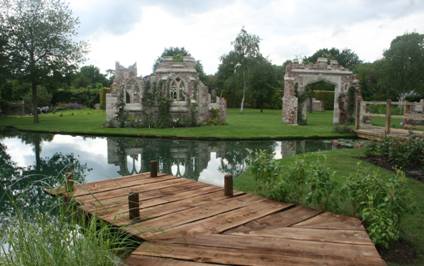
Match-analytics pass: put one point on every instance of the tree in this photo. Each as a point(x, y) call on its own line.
point(246, 47)
point(89, 76)
point(262, 81)
point(346, 57)
point(403, 66)
point(40, 36)
point(178, 53)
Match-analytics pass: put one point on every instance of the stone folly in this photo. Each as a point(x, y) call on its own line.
point(172, 96)
point(298, 76)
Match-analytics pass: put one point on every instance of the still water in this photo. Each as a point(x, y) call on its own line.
point(31, 162)
point(108, 157)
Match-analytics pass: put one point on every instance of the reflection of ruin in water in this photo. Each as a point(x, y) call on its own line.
point(180, 158)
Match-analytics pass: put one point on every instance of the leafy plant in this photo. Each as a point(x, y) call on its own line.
point(380, 203)
point(404, 154)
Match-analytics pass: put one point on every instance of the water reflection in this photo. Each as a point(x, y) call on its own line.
point(108, 157)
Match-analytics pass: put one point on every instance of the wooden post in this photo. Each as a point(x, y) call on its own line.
point(133, 207)
point(388, 116)
point(154, 168)
point(358, 112)
point(69, 185)
point(228, 185)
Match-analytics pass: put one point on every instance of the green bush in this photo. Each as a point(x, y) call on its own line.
point(406, 154)
point(327, 97)
point(310, 185)
point(379, 202)
point(87, 97)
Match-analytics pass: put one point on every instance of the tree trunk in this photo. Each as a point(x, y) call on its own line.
point(34, 102)
point(244, 92)
point(37, 151)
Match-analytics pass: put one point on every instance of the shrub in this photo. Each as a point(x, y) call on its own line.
point(87, 97)
point(404, 154)
point(310, 185)
point(380, 202)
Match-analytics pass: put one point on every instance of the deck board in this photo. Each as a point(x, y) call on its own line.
point(187, 223)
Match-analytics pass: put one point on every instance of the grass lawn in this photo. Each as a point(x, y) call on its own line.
point(344, 162)
point(251, 124)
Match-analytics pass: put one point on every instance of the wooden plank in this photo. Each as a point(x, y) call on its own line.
point(204, 211)
point(120, 216)
point(320, 235)
point(221, 222)
point(151, 198)
point(136, 260)
point(254, 250)
point(123, 191)
point(286, 217)
point(333, 221)
point(94, 188)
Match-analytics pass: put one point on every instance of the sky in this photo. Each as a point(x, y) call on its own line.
point(131, 31)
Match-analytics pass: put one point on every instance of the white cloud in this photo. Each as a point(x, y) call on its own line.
point(138, 31)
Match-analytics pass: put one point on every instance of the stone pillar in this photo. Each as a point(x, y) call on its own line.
point(111, 101)
point(290, 103)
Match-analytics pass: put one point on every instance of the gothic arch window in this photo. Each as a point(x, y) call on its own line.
point(177, 90)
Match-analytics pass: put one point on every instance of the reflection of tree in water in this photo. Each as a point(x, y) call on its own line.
point(21, 188)
point(235, 153)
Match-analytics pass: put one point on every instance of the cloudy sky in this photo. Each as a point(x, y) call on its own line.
point(138, 30)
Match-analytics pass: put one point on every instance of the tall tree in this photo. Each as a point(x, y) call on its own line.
point(346, 57)
point(246, 47)
point(262, 81)
point(403, 65)
point(41, 41)
point(89, 76)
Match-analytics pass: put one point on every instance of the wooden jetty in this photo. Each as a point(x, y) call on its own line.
point(184, 222)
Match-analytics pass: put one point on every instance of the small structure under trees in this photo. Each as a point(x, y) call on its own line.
point(173, 96)
point(298, 76)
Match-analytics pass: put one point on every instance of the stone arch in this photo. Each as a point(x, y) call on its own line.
point(303, 75)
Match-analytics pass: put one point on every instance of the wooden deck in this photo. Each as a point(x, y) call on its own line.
point(184, 222)
point(378, 133)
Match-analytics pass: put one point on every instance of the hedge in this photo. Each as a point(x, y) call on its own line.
point(327, 97)
point(87, 97)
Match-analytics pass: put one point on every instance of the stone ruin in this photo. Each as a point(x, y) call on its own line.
point(175, 82)
point(298, 76)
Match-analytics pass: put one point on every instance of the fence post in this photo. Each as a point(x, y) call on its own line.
point(358, 113)
point(134, 207)
point(388, 123)
point(228, 185)
point(154, 168)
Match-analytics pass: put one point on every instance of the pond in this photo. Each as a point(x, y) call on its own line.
point(30, 161)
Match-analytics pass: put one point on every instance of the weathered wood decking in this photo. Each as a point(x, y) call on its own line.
point(184, 222)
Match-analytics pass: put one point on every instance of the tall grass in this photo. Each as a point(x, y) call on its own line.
point(62, 239)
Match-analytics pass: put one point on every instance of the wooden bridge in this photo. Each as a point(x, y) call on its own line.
point(184, 222)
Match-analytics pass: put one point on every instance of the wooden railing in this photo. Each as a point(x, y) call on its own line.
point(362, 112)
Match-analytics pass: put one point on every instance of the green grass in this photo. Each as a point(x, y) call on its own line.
point(251, 124)
point(344, 163)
